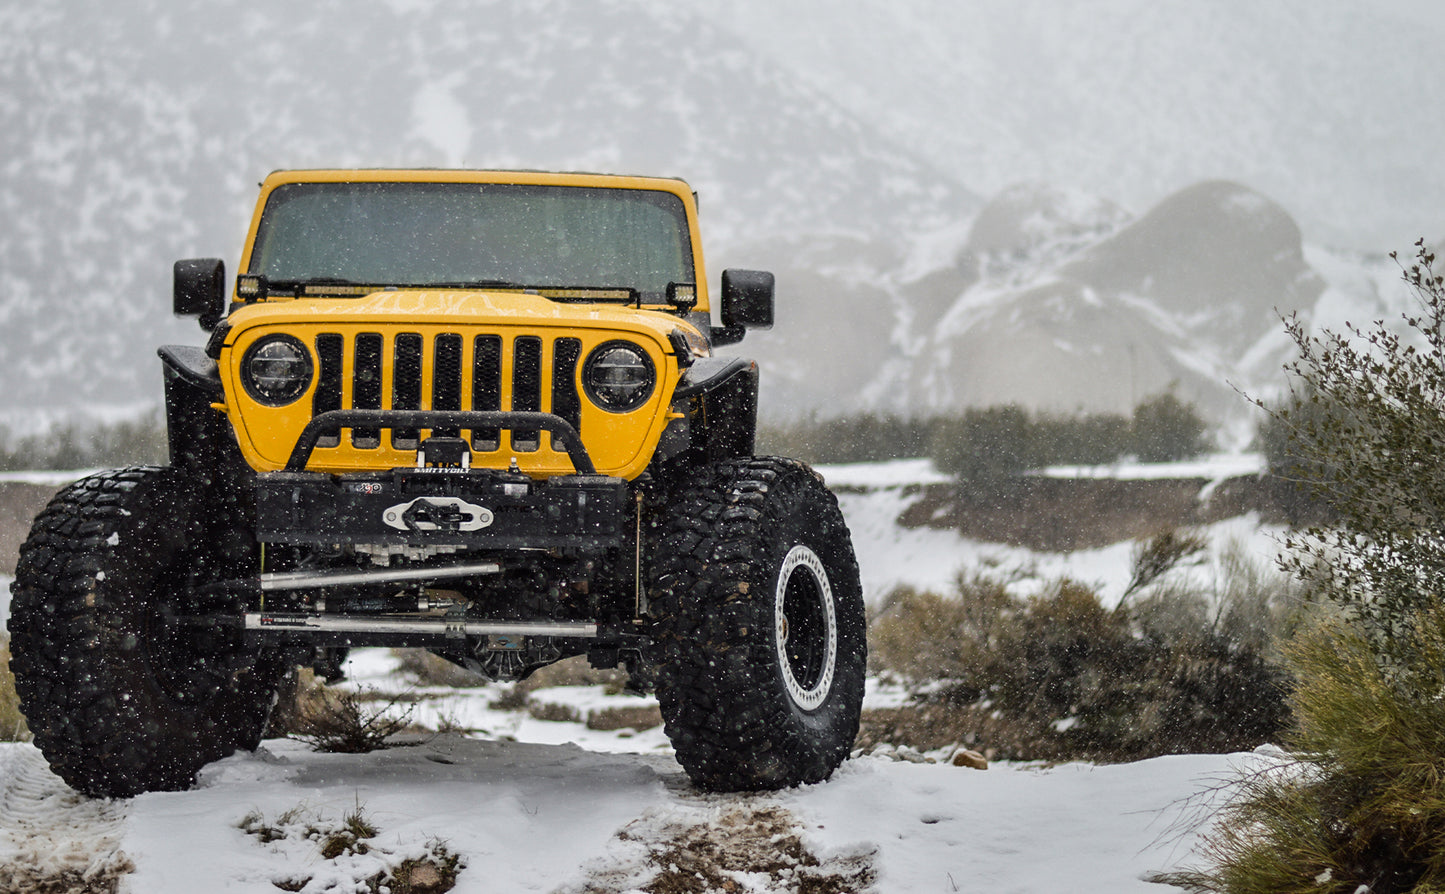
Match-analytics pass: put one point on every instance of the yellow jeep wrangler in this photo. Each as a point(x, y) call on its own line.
point(476, 412)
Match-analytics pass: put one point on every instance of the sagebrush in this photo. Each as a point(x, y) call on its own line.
point(1360, 804)
point(342, 721)
point(1058, 675)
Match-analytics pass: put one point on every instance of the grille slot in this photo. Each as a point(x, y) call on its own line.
point(527, 389)
point(446, 388)
point(487, 388)
point(366, 387)
point(441, 372)
point(328, 382)
point(406, 387)
point(566, 402)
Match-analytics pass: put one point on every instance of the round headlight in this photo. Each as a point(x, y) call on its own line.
point(618, 376)
point(276, 370)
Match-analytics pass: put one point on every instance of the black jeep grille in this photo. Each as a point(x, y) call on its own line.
point(446, 363)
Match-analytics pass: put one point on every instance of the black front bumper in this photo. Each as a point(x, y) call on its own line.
point(466, 509)
point(455, 506)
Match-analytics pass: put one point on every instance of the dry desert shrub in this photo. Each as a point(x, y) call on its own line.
point(1058, 675)
point(12, 722)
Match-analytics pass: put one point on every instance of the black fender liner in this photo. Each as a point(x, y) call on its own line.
point(194, 430)
point(720, 397)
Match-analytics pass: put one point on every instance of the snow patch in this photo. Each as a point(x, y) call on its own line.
point(46, 478)
point(52, 834)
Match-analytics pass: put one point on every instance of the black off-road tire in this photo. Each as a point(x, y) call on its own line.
point(122, 699)
point(759, 626)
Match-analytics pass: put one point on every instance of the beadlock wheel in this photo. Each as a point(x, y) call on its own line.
point(759, 626)
point(807, 628)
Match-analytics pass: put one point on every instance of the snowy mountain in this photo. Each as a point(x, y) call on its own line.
point(1062, 302)
point(1181, 295)
point(134, 136)
point(848, 152)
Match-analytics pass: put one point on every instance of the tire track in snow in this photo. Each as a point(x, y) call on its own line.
point(53, 838)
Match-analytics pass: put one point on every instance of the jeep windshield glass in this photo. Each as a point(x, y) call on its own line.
point(424, 234)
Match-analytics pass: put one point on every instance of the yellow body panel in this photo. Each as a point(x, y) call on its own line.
point(620, 444)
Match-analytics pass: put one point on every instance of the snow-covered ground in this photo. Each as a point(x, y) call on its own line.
point(553, 806)
point(530, 817)
point(889, 556)
point(534, 805)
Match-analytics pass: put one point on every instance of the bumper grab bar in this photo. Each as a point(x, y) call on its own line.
point(333, 421)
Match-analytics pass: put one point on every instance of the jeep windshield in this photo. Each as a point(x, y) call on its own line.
point(475, 235)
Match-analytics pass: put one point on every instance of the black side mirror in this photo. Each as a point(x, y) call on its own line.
point(200, 290)
point(747, 303)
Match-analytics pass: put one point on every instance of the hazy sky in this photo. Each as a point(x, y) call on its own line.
point(1332, 108)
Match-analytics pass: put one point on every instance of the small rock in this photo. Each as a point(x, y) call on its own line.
point(965, 757)
point(420, 877)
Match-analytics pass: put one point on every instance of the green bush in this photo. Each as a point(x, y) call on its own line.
point(986, 447)
point(1298, 475)
point(856, 438)
point(1166, 429)
point(1361, 804)
point(992, 443)
point(340, 721)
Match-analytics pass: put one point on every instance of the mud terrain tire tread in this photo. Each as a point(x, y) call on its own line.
point(82, 647)
point(717, 547)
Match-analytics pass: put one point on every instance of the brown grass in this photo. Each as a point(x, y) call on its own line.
point(342, 722)
point(753, 841)
point(12, 722)
point(553, 712)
